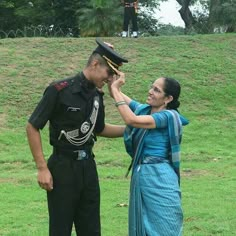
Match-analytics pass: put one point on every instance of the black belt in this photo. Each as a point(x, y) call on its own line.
point(78, 155)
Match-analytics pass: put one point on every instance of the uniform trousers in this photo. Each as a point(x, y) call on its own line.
point(130, 14)
point(75, 198)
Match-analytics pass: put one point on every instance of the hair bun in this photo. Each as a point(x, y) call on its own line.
point(174, 104)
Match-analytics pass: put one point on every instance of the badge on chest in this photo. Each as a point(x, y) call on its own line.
point(73, 109)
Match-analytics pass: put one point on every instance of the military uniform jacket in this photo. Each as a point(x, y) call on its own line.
point(67, 104)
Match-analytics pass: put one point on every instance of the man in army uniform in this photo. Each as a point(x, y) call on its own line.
point(75, 111)
point(130, 14)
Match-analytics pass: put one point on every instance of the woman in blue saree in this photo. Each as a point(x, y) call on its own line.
point(152, 138)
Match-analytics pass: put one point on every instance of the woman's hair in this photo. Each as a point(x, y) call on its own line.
point(172, 88)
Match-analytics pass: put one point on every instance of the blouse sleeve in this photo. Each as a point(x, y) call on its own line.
point(133, 105)
point(160, 119)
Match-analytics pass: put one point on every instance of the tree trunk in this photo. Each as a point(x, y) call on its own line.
point(186, 15)
point(211, 21)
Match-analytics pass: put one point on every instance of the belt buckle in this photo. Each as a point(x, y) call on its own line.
point(81, 155)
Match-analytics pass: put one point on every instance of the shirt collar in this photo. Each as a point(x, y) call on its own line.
point(81, 83)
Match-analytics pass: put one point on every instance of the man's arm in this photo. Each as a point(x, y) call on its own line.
point(112, 131)
point(44, 176)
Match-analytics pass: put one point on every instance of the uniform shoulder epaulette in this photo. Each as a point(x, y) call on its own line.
point(61, 85)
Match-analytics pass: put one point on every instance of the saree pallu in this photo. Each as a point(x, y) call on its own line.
point(155, 201)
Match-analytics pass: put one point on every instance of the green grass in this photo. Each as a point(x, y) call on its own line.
point(205, 67)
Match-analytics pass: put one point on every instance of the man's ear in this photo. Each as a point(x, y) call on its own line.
point(94, 62)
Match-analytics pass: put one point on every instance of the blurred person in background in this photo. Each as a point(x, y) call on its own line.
point(130, 14)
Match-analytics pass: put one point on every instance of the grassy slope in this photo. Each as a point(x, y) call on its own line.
point(205, 67)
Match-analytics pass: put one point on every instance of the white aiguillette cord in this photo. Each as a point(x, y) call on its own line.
point(71, 135)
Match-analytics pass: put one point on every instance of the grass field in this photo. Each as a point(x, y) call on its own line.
point(205, 65)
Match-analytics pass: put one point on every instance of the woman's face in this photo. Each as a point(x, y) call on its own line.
point(156, 95)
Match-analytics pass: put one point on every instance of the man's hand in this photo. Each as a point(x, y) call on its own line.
point(45, 180)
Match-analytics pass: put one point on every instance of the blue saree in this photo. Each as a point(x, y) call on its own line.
point(155, 197)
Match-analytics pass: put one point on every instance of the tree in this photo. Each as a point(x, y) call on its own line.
point(223, 14)
point(216, 14)
point(148, 25)
point(100, 18)
point(151, 4)
point(7, 18)
point(186, 14)
point(38, 12)
point(66, 14)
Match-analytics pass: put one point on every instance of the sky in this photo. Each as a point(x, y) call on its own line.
point(168, 13)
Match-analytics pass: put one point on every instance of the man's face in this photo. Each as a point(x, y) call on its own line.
point(102, 75)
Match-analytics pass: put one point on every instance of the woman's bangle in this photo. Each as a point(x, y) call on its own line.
point(120, 103)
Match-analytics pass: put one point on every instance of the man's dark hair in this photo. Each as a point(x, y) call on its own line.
point(98, 57)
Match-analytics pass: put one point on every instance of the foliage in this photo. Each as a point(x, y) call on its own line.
point(147, 23)
point(201, 25)
point(36, 13)
point(7, 14)
point(65, 15)
point(215, 15)
point(105, 18)
point(164, 29)
point(224, 14)
point(202, 22)
point(6, 4)
point(24, 13)
point(150, 3)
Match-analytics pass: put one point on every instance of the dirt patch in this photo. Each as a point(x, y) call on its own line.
point(7, 180)
point(193, 173)
point(2, 120)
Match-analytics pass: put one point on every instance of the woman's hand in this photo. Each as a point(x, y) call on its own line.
point(114, 85)
point(118, 79)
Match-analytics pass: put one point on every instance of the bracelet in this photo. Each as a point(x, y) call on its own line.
point(120, 103)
